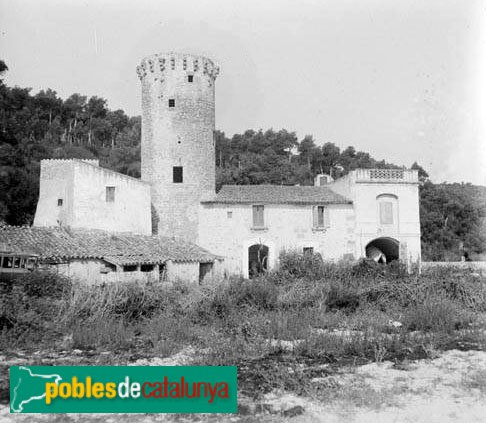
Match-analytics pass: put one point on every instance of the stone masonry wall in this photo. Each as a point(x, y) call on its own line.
point(182, 135)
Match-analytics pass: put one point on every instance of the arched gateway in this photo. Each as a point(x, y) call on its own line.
point(383, 250)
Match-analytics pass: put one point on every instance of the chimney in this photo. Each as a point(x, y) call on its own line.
point(322, 179)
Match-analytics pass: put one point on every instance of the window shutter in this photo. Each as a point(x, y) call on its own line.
point(314, 216)
point(327, 221)
point(258, 221)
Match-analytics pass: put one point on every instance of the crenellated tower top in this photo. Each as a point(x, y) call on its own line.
point(156, 65)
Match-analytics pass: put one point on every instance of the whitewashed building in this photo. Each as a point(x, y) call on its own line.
point(368, 213)
point(239, 230)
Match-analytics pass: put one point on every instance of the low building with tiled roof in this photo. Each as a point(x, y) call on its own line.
point(277, 194)
point(98, 256)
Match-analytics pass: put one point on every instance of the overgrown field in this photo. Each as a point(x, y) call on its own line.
point(278, 329)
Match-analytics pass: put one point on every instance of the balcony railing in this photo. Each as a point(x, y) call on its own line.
point(387, 175)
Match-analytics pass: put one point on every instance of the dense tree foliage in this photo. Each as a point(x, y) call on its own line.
point(277, 157)
point(453, 220)
point(34, 127)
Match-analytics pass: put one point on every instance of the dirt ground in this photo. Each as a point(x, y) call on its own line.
point(449, 388)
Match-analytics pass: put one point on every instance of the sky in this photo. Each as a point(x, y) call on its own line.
point(404, 80)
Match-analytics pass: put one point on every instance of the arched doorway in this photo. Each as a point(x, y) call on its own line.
point(257, 260)
point(383, 250)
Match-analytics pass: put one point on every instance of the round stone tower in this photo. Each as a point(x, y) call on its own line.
point(178, 151)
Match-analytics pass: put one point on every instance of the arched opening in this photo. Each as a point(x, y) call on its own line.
point(257, 260)
point(383, 250)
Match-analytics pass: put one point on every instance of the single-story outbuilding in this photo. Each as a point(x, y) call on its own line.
point(97, 256)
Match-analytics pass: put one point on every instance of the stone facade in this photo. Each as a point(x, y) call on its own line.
point(178, 132)
point(74, 193)
point(228, 231)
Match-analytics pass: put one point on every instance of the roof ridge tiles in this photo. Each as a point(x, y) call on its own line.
point(278, 194)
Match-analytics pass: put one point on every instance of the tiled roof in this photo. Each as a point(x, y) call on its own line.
point(58, 243)
point(278, 194)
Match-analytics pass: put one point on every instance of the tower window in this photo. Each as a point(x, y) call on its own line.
point(177, 174)
point(59, 202)
point(110, 194)
point(190, 78)
point(171, 102)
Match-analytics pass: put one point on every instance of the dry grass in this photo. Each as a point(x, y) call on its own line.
point(308, 312)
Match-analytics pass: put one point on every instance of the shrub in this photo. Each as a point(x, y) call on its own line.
point(44, 284)
point(130, 301)
point(29, 306)
point(105, 333)
point(237, 293)
point(437, 313)
point(303, 294)
point(342, 297)
point(259, 293)
point(297, 265)
point(462, 285)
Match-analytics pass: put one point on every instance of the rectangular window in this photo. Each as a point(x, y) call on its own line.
point(110, 194)
point(177, 176)
point(229, 214)
point(386, 212)
point(321, 217)
point(59, 202)
point(7, 262)
point(190, 78)
point(130, 268)
point(146, 267)
point(30, 264)
point(171, 102)
point(258, 221)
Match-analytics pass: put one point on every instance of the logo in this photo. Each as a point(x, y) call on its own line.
point(123, 389)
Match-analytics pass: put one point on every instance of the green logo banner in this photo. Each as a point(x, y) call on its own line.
point(123, 389)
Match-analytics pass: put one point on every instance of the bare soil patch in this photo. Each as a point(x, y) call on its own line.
point(449, 388)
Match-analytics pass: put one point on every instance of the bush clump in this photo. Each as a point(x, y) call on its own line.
point(307, 308)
